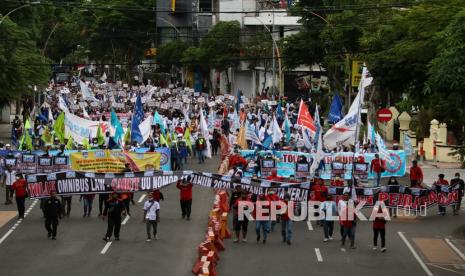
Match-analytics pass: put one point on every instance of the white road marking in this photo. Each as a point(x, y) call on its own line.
point(125, 220)
point(141, 198)
point(415, 254)
point(6, 235)
point(318, 255)
point(105, 248)
point(310, 226)
point(455, 249)
point(18, 222)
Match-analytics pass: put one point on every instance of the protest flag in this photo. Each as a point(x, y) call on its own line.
point(69, 145)
point(163, 140)
point(241, 138)
point(86, 143)
point(50, 115)
point(345, 131)
point(187, 137)
point(251, 134)
point(47, 136)
point(318, 144)
point(157, 120)
point(276, 131)
point(335, 111)
point(127, 137)
point(238, 100)
point(204, 130)
point(26, 142)
point(304, 118)
point(115, 123)
point(100, 136)
point(59, 127)
point(287, 129)
point(408, 147)
point(137, 118)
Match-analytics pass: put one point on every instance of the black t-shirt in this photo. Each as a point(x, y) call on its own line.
point(52, 208)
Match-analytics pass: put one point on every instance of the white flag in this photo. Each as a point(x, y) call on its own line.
point(204, 130)
point(344, 131)
point(62, 104)
point(145, 128)
point(277, 134)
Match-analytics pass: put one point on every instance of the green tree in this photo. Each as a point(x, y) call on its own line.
point(258, 50)
point(21, 63)
point(168, 54)
point(223, 46)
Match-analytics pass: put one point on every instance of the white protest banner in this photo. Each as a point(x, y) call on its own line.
point(80, 128)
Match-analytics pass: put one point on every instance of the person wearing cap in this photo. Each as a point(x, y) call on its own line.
point(52, 212)
point(115, 209)
point(185, 198)
point(457, 185)
point(151, 216)
point(416, 174)
point(441, 184)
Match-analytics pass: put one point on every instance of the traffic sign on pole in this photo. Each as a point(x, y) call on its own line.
point(384, 115)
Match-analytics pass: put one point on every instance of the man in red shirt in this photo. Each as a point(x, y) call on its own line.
point(19, 188)
point(185, 198)
point(416, 174)
point(377, 166)
point(319, 192)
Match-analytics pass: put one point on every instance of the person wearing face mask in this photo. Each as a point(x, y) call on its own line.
point(114, 209)
point(19, 188)
point(458, 185)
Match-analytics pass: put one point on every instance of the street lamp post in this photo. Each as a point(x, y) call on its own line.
point(275, 48)
point(18, 8)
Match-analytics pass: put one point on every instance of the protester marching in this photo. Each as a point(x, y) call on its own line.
point(110, 140)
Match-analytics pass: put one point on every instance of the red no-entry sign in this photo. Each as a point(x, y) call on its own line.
point(384, 115)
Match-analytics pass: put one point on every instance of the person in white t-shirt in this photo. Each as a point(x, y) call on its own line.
point(151, 216)
point(9, 176)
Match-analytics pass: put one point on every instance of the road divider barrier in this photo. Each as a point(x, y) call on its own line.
point(217, 232)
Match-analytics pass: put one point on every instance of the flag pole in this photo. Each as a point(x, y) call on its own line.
point(357, 126)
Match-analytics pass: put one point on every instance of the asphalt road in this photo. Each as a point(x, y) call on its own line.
point(79, 244)
point(416, 246)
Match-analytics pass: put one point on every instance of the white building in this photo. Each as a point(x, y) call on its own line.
point(256, 16)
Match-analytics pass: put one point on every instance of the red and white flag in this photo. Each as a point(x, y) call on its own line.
point(304, 118)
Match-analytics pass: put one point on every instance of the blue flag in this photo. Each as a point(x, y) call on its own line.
point(137, 118)
point(335, 111)
point(239, 100)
